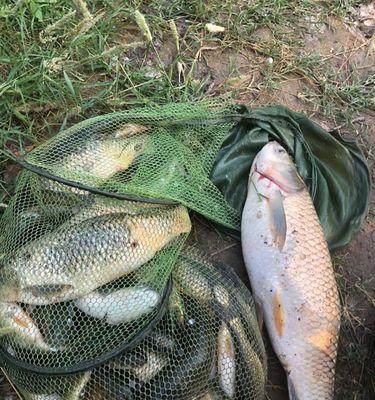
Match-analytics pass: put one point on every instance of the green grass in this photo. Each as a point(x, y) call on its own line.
point(55, 72)
point(61, 61)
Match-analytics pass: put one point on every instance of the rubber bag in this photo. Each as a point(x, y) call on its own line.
point(334, 169)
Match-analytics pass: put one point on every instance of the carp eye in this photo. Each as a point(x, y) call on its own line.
point(281, 151)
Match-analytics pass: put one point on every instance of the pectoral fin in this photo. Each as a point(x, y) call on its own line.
point(277, 219)
point(291, 390)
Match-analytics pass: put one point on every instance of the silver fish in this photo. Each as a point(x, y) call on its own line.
point(226, 362)
point(75, 260)
point(291, 273)
point(222, 296)
point(75, 391)
point(123, 305)
point(212, 395)
point(32, 396)
point(97, 159)
point(191, 281)
point(154, 364)
point(128, 130)
point(78, 386)
point(252, 363)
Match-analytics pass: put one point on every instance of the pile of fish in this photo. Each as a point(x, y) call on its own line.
point(84, 275)
point(206, 346)
point(91, 264)
point(81, 262)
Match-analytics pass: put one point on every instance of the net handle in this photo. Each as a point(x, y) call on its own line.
point(46, 174)
point(92, 363)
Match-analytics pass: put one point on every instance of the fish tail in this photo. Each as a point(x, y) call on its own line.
point(292, 390)
point(185, 224)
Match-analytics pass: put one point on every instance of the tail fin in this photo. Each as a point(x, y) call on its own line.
point(292, 390)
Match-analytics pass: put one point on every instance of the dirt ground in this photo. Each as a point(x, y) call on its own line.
point(258, 80)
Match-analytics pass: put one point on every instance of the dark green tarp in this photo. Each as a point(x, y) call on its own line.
point(334, 169)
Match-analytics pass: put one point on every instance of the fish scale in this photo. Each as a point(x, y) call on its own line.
point(295, 287)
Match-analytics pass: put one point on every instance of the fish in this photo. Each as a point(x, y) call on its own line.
point(212, 395)
point(98, 159)
point(74, 260)
point(132, 358)
point(191, 281)
point(222, 296)
point(248, 315)
point(162, 341)
point(104, 158)
point(105, 206)
point(244, 308)
point(176, 306)
point(154, 364)
point(226, 362)
point(113, 383)
point(78, 387)
point(53, 396)
point(75, 391)
point(187, 373)
point(14, 320)
point(123, 305)
point(251, 375)
point(291, 274)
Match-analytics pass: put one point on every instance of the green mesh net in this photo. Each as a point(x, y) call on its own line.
point(77, 257)
point(207, 345)
point(99, 296)
point(158, 153)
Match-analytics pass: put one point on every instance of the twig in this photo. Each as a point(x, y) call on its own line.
point(224, 249)
point(355, 120)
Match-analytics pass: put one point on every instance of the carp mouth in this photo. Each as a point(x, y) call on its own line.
point(267, 177)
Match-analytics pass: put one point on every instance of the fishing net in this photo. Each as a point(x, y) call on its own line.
point(72, 256)
point(207, 345)
point(98, 301)
point(161, 153)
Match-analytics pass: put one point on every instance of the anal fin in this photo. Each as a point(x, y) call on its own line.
point(292, 390)
point(277, 219)
point(259, 313)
